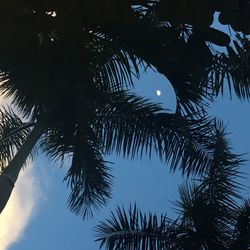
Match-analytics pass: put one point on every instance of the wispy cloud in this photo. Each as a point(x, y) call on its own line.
point(20, 208)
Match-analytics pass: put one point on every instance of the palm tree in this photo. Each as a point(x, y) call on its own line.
point(181, 50)
point(209, 216)
point(69, 80)
point(114, 120)
point(73, 64)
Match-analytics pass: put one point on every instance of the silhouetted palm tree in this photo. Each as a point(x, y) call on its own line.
point(69, 80)
point(118, 122)
point(86, 114)
point(209, 216)
point(44, 33)
point(73, 64)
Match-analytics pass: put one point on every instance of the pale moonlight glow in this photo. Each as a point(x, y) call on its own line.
point(158, 92)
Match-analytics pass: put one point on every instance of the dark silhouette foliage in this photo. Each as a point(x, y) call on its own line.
point(69, 67)
point(209, 216)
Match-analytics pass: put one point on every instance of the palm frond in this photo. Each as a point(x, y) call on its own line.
point(131, 126)
point(220, 182)
point(114, 68)
point(88, 178)
point(184, 64)
point(207, 210)
point(232, 69)
point(214, 194)
point(135, 230)
point(202, 223)
point(241, 233)
point(13, 133)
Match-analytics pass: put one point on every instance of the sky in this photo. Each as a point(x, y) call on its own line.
point(37, 216)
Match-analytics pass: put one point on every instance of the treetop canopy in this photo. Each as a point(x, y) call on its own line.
point(43, 21)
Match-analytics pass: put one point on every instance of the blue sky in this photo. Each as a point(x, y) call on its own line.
point(45, 221)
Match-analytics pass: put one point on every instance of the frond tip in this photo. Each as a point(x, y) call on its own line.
point(88, 179)
point(135, 229)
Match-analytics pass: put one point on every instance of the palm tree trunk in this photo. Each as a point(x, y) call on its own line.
point(11, 172)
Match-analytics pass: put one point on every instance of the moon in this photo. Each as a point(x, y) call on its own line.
point(158, 92)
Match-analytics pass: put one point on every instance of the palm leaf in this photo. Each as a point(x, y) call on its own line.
point(220, 181)
point(126, 124)
point(166, 49)
point(233, 69)
point(132, 126)
point(201, 222)
point(13, 133)
point(88, 178)
point(135, 230)
point(213, 195)
point(114, 68)
point(241, 233)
